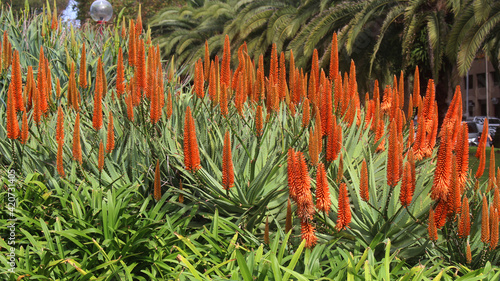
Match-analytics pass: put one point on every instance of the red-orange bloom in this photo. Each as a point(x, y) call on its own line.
point(110, 140)
point(17, 83)
point(191, 152)
point(393, 175)
point(491, 176)
point(157, 182)
point(77, 148)
point(464, 222)
point(485, 227)
point(323, 201)
point(292, 174)
point(334, 58)
point(442, 174)
point(12, 123)
point(363, 182)
point(60, 125)
point(441, 214)
point(59, 160)
point(24, 129)
point(199, 79)
point(141, 66)
point(131, 44)
point(455, 190)
point(226, 63)
point(227, 163)
point(120, 86)
point(305, 206)
point(308, 235)
point(206, 66)
point(406, 193)
point(344, 208)
point(433, 235)
point(83, 68)
point(169, 104)
point(97, 115)
point(494, 228)
point(259, 121)
point(462, 152)
point(306, 115)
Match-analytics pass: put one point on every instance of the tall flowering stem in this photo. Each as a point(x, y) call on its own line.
point(344, 209)
point(227, 164)
point(323, 201)
point(191, 152)
point(157, 182)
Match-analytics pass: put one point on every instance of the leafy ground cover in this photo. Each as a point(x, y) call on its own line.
point(128, 168)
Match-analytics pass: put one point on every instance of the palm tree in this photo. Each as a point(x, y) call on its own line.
point(420, 28)
point(476, 26)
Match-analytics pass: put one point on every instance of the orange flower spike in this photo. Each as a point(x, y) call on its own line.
point(344, 209)
point(485, 227)
point(306, 115)
point(169, 104)
point(100, 158)
point(379, 136)
point(292, 79)
point(131, 44)
point(206, 66)
point(493, 228)
point(455, 190)
point(212, 85)
point(12, 123)
point(259, 121)
point(227, 163)
point(401, 90)
point(199, 80)
point(157, 182)
point(323, 201)
point(496, 198)
point(138, 24)
point(313, 147)
point(462, 152)
point(491, 175)
point(334, 58)
point(141, 66)
point(441, 214)
point(130, 107)
point(191, 151)
point(416, 87)
point(482, 160)
point(60, 160)
point(226, 63)
point(292, 174)
point(273, 71)
point(432, 230)
point(305, 206)
point(17, 83)
point(307, 231)
point(97, 115)
point(60, 124)
point(282, 85)
point(110, 140)
point(363, 183)
point(393, 175)
point(24, 129)
point(442, 173)
point(406, 194)
point(464, 222)
point(77, 148)
point(315, 70)
point(83, 68)
point(224, 100)
point(120, 86)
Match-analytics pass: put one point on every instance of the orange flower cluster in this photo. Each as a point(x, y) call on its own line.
point(344, 209)
point(191, 152)
point(157, 182)
point(227, 163)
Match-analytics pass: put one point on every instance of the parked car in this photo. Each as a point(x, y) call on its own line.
point(493, 123)
point(473, 133)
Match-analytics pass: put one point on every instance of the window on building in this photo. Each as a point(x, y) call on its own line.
point(481, 80)
point(495, 78)
point(482, 107)
point(471, 82)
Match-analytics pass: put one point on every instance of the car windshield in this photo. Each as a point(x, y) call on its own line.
point(472, 127)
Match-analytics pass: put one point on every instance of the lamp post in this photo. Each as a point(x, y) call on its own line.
point(101, 11)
